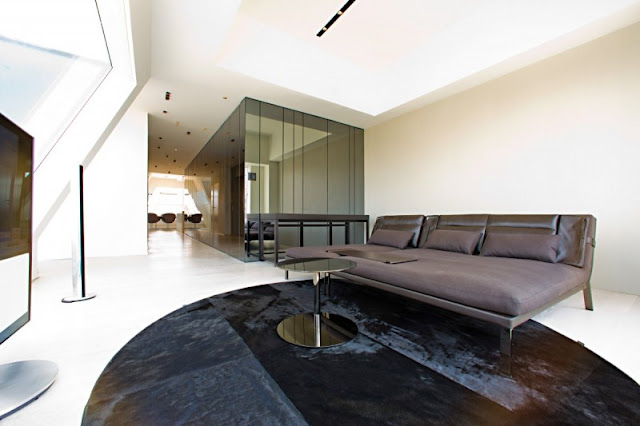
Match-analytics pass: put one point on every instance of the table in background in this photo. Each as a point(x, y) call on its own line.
point(302, 221)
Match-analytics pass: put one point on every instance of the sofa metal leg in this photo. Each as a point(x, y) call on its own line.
point(327, 285)
point(286, 274)
point(505, 351)
point(588, 298)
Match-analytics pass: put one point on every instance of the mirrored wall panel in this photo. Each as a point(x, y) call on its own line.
point(269, 159)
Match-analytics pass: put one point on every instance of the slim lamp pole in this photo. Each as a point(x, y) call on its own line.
point(77, 243)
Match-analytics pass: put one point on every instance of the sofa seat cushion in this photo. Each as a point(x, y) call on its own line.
point(322, 251)
point(503, 285)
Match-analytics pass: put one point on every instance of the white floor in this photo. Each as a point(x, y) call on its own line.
point(135, 291)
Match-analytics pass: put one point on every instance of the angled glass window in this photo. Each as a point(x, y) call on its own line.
point(53, 56)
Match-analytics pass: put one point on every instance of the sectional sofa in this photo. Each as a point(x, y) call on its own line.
point(499, 268)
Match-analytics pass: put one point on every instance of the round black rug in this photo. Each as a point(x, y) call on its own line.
point(220, 361)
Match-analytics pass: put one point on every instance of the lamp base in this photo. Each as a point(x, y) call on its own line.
point(72, 299)
point(23, 382)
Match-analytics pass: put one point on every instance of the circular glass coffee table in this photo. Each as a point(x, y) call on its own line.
point(317, 329)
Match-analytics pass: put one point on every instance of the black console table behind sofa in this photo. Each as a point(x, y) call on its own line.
point(301, 221)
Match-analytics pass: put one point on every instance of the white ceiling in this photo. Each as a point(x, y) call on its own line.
point(379, 60)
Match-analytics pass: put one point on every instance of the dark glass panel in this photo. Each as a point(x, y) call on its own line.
point(314, 165)
point(271, 155)
point(315, 175)
point(297, 162)
point(288, 152)
point(359, 181)
point(252, 156)
point(338, 175)
point(268, 159)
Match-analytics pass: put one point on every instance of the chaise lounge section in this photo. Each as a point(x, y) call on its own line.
point(503, 269)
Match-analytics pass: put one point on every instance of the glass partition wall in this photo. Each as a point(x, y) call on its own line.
point(270, 159)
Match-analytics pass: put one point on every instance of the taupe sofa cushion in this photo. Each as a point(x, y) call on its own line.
point(450, 240)
point(391, 238)
point(411, 223)
point(522, 246)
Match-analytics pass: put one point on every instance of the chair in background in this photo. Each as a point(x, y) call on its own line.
point(153, 219)
point(168, 218)
point(195, 218)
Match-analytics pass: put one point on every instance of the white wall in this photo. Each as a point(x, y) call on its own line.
point(115, 198)
point(84, 139)
point(115, 191)
point(559, 136)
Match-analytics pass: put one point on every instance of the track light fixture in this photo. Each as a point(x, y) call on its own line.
point(335, 18)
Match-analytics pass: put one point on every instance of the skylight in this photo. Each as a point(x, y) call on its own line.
point(53, 56)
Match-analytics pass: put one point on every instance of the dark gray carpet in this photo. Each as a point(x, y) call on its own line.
point(220, 361)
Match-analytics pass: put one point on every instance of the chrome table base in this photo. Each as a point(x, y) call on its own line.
point(316, 329)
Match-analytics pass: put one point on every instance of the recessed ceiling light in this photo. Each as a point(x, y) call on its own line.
point(204, 129)
point(159, 137)
point(158, 147)
point(164, 111)
point(167, 156)
point(225, 98)
point(175, 149)
point(206, 164)
point(156, 166)
point(188, 133)
point(175, 161)
point(167, 95)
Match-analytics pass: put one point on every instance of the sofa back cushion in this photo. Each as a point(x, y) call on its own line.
point(572, 230)
point(391, 238)
point(411, 223)
point(462, 222)
point(523, 246)
point(453, 240)
point(575, 242)
point(545, 224)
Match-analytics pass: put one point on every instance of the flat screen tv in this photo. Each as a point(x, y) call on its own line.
point(16, 153)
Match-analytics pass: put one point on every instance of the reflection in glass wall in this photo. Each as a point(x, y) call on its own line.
point(270, 159)
point(215, 181)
